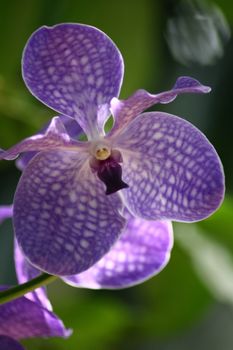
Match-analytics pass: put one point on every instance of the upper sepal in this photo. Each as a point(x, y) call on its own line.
point(74, 69)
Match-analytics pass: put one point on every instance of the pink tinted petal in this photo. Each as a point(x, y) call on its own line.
point(6, 212)
point(74, 69)
point(142, 251)
point(72, 128)
point(22, 318)
point(26, 272)
point(124, 111)
point(7, 343)
point(55, 137)
point(63, 220)
point(172, 170)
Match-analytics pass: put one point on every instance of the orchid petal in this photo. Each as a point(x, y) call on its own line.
point(172, 170)
point(55, 137)
point(7, 343)
point(72, 128)
point(141, 252)
point(22, 318)
point(6, 212)
point(26, 272)
point(61, 209)
point(124, 111)
point(74, 69)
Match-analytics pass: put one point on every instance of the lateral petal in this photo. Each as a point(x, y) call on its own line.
point(172, 170)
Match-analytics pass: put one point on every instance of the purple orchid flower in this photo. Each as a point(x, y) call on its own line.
point(70, 203)
point(28, 316)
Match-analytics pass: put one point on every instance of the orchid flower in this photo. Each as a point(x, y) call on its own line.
point(28, 316)
point(81, 208)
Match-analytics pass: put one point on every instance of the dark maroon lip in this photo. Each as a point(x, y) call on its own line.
point(109, 171)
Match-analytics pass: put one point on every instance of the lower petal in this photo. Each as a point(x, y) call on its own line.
point(7, 343)
point(142, 251)
point(6, 212)
point(25, 272)
point(172, 170)
point(22, 318)
point(63, 220)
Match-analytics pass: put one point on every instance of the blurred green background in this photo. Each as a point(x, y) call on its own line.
point(190, 304)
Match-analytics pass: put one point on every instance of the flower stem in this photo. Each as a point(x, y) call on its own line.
point(21, 289)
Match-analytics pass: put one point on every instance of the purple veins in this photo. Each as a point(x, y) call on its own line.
point(141, 252)
point(71, 201)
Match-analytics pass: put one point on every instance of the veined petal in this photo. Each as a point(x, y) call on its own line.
point(124, 111)
point(26, 272)
point(6, 212)
point(72, 128)
point(74, 69)
point(64, 222)
point(23, 318)
point(7, 343)
point(172, 170)
point(141, 252)
point(55, 137)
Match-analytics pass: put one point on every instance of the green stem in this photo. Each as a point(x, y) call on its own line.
point(21, 289)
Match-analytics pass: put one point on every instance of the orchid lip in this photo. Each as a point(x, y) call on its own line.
point(108, 169)
point(110, 172)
